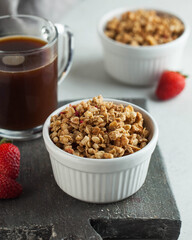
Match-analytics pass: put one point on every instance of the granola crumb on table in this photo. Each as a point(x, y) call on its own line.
point(99, 129)
point(144, 27)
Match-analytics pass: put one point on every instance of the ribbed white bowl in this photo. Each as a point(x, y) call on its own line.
point(101, 180)
point(99, 187)
point(140, 65)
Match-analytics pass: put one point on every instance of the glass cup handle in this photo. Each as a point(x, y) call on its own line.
point(66, 48)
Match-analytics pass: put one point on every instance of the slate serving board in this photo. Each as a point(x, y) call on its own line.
point(45, 212)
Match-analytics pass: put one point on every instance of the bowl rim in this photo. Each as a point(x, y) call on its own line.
point(148, 148)
point(114, 12)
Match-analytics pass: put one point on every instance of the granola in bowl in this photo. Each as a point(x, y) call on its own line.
point(138, 45)
point(144, 28)
point(76, 133)
point(99, 129)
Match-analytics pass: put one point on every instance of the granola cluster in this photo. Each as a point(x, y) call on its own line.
point(144, 27)
point(99, 129)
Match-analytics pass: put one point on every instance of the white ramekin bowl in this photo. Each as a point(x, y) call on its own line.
point(101, 180)
point(141, 65)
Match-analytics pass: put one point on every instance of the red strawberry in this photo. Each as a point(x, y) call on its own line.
point(9, 160)
point(9, 188)
point(170, 85)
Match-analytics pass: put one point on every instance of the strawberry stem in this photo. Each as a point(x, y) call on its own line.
point(4, 140)
point(184, 75)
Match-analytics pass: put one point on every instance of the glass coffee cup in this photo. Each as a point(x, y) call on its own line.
point(30, 70)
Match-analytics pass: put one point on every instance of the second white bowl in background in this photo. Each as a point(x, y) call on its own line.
point(141, 65)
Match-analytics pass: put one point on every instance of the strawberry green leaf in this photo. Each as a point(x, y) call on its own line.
point(4, 140)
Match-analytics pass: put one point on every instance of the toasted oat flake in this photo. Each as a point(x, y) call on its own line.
point(99, 130)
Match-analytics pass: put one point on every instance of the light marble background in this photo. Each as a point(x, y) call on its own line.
point(88, 78)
